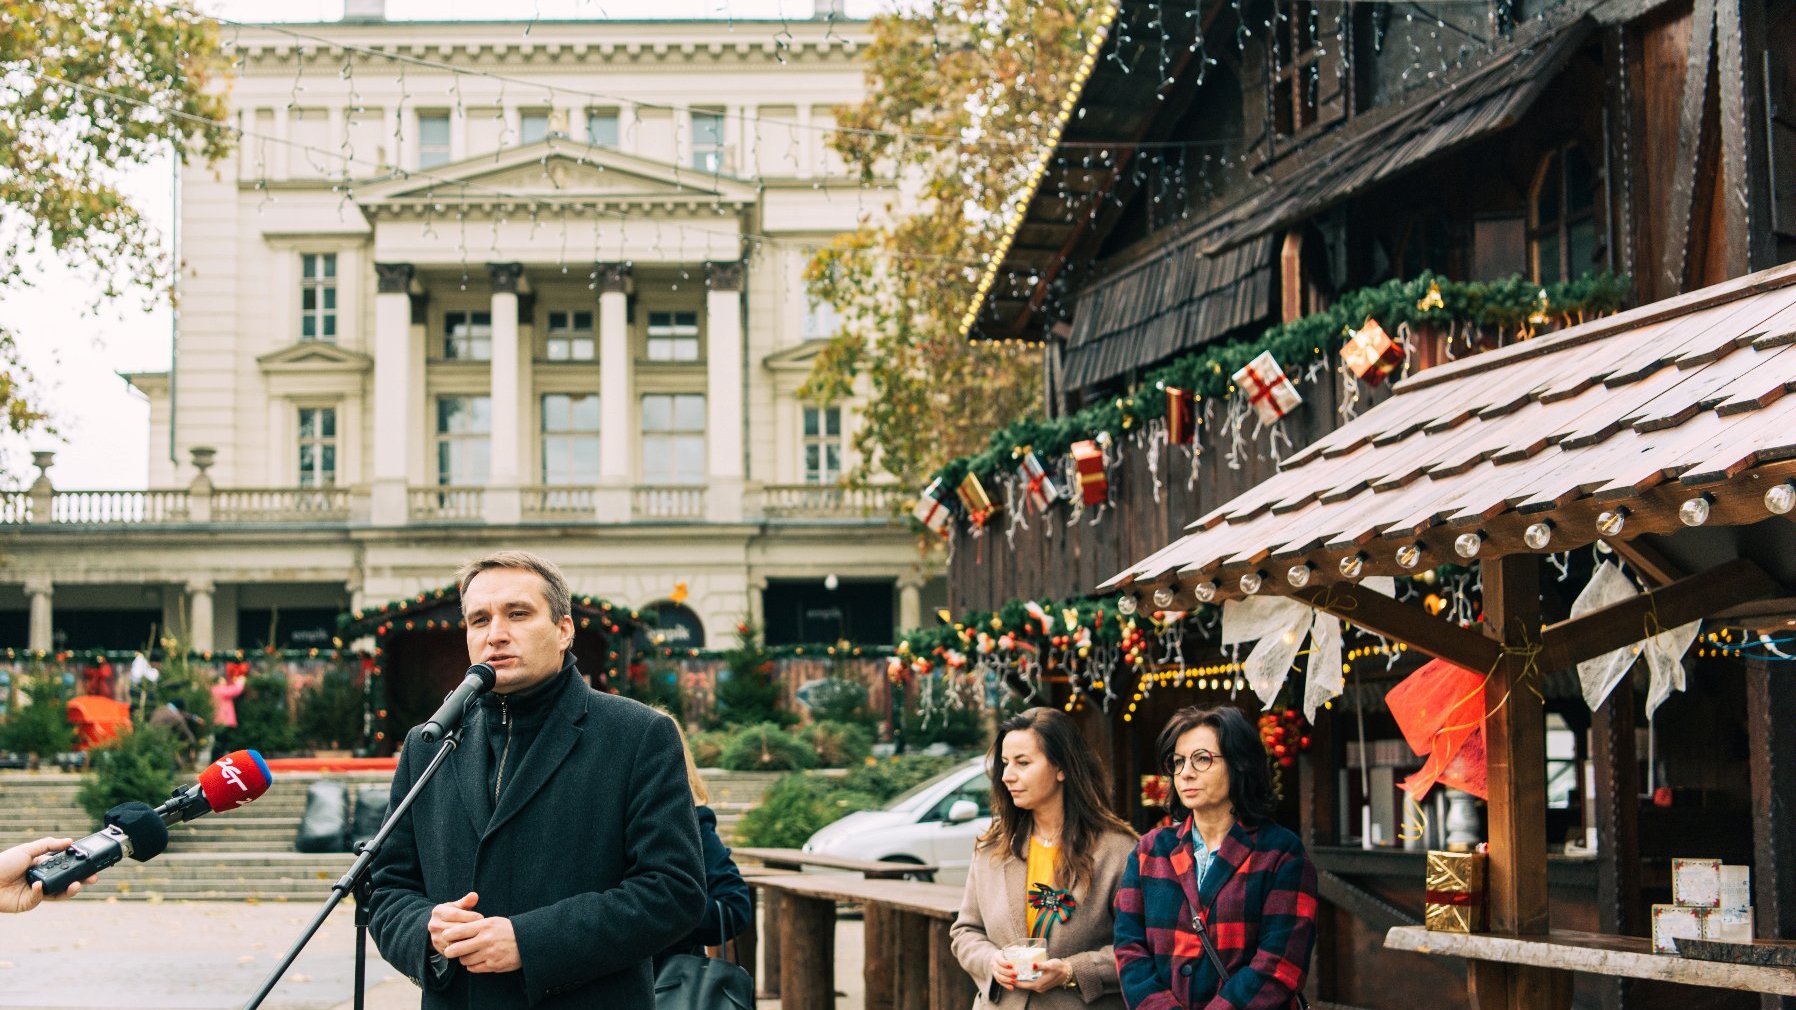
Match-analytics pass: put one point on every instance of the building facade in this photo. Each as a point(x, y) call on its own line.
point(465, 285)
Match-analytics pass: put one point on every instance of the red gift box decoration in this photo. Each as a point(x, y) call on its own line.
point(1181, 416)
point(1371, 353)
point(1088, 459)
point(1267, 388)
point(1040, 489)
point(931, 510)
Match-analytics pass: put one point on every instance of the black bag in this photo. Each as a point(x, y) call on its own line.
point(697, 982)
point(370, 811)
point(325, 824)
point(1222, 972)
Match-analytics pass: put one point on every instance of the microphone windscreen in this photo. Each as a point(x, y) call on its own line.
point(488, 676)
point(143, 826)
point(234, 780)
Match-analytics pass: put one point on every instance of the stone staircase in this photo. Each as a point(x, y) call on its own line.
point(245, 853)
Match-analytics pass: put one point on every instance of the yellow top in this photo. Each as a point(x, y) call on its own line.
point(1043, 860)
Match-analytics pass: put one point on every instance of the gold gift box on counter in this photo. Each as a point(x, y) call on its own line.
point(1455, 896)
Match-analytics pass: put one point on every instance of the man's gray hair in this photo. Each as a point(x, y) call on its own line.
point(555, 589)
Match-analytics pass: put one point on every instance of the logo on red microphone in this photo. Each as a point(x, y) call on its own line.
point(232, 773)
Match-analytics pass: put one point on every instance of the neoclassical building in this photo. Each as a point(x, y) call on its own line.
point(466, 285)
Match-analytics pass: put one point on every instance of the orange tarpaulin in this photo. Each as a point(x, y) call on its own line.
point(97, 719)
point(1440, 709)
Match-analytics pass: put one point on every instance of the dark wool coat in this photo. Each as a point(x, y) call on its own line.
point(593, 854)
point(1260, 900)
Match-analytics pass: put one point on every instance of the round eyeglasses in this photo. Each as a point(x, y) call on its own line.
point(1199, 760)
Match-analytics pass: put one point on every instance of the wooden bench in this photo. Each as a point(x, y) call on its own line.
point(778, 861)
point(909, 964)
point(1597, 953)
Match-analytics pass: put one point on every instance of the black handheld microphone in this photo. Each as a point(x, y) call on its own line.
point(480, 680)
point(132, 829)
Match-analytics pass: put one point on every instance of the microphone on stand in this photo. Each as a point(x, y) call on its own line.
point(136, 830)
point(479, 680)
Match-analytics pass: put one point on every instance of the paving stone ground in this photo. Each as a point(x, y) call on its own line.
point(208, 955)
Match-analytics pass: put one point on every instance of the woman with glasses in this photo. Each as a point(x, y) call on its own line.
point(1047, 869)
point(1218, 908)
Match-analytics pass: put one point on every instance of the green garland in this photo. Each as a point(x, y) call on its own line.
point(1503, 305)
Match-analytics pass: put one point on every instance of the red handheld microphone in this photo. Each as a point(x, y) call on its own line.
point(226, 784)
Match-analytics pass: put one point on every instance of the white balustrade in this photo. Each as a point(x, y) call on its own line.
point(668, 503)
point(440, 504)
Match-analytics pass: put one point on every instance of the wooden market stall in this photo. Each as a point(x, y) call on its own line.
point(1662, 431)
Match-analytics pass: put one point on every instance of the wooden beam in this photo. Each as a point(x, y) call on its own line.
point(1771, 742)
point(1516, 766)
point(1681, 211)
point(1368, 908)
point(1618, 905)
point(1729, 584)
point(1740, 45)
point(1382, 615)
point(1647, 560)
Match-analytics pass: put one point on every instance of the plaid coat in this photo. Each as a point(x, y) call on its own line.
point(1260, 897)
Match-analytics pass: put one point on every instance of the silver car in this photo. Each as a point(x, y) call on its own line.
point(934, 822)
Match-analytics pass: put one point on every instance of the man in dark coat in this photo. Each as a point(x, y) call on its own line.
point(557, 851)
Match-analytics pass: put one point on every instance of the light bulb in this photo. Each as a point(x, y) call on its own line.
point(1353, 564)
point(1125, 604)
point(1610, 523)
point(1695, 512)
point(1409, 555)
point(1299, 575)
point(1163, 597)
point(1538, 535)
point(1250, 583)
point(1204, 591)
point(1467, 545)
point(1781, 498)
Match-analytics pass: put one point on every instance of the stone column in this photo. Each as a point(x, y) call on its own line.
point(199, 615)
point(910, 602)
point(617, 380)
point(41, 635)
point(396, 377)
point(504, 502)
point(723, 392)
point(757, 603)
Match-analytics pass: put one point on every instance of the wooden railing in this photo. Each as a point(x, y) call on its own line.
point(668, 502)
point(280, 505)
point(96, 507)
point(829, 501)
point(558, 503)
point(439, 504)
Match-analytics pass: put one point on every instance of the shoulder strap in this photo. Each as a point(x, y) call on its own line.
point(723, 942)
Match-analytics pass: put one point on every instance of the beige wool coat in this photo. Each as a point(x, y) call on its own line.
point(991, 918)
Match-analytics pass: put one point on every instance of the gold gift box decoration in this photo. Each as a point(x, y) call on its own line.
point(1454, 901)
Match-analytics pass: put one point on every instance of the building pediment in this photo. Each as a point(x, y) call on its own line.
point(799, 358)
point(314, 357)
point(557, 171)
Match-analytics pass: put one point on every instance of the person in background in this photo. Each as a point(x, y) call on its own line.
point(173, 716)
point(1222, 861)
point(225, 692)
point(1047, 868)
point(728, 908)
point(20, 895)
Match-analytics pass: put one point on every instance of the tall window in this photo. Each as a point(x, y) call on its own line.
point(707, 141)
point(318, 296)
point(601, 127)
point(673, 439)
point(1298, 90)
point(571, 438)
point(433, 139)
point(464, 429)
point(1562, 235)
point(673, 336)
point(317, 446)
point(821, 320)
point(533, 125)
point(468, 336)
point(570, 336)
point(822, 445)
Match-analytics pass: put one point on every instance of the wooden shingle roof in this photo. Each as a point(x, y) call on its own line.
point(1631, 415)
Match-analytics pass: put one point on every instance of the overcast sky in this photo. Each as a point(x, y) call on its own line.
point(76, 354)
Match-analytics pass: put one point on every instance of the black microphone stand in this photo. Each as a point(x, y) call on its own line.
point(358, 882)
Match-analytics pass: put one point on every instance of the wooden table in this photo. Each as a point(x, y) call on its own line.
point(776, 861)
point(1596, 953)
point(909, 964)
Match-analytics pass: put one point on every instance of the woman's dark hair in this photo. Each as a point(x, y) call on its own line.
point(1087, 816)
point(1250, 770)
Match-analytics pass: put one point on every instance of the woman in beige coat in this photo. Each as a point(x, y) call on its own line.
point(1048, 867)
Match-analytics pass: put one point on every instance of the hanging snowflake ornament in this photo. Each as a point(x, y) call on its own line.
point(1371, 354)
point(1268, 391)
point(932, 508)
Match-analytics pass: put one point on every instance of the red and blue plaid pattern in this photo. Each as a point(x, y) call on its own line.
point(1260, 893)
